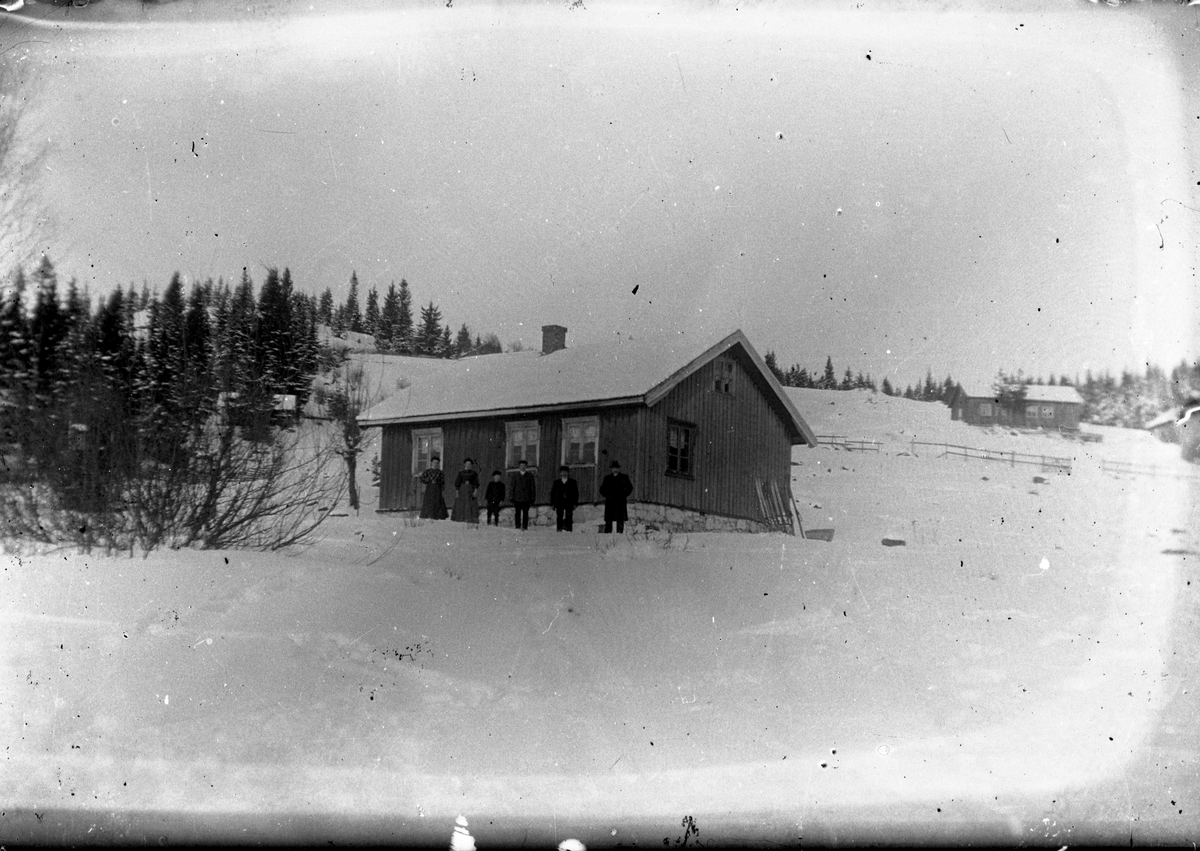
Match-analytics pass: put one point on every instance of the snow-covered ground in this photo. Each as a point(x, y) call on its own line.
point(1021, 669)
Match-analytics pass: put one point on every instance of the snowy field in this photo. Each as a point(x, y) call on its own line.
point(1022, 669)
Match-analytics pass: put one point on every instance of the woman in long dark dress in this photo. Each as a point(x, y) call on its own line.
point(433, 506)
point(466, 501)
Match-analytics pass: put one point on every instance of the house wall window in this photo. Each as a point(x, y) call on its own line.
point(1047, 412)
point(1031, 412)
point(985, 409)
point(580, 439)
point(523, 444)
point(426, 443)
point(680, 440)
point(723, 379)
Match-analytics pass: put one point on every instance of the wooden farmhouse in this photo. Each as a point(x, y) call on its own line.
point(1045, 406)
point(694, 424)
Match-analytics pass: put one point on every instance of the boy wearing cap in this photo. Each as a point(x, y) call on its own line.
point(494, 496)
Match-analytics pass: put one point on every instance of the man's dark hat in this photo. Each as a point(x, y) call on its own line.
point(615, 464)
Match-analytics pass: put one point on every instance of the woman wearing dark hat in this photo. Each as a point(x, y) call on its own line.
point(433, 506)
point(616, 489)
point(466, 502)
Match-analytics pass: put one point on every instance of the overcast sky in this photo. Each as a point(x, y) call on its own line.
point(991, 187)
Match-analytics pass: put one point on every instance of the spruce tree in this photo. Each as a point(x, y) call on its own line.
point(402, 331)
point(445, 348)
point(847, 381)
point(429, 335)
point(340, 323)
point(948, 387)
point(462, 342)
point(886, 387)
point(389, 318)
point(829, 380)
point(325, 307)
point(772, 364)
point(14, 335)
point(237, 369)
point(371, 317)
point(306, 351)
point(275, 341)
point(353, 314)
point(47, 327)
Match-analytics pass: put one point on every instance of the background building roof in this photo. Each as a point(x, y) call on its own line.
point(1033, 393)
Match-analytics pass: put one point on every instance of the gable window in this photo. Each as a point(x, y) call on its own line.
point(723, 380)
point(427, 442)
point(680, 439)
point(580, 439)
point(985, 409)
point(523, 443)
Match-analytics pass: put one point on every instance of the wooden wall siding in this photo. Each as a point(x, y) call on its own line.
point(1065, 414)
point(618, 442)
point(484, 439)
point(395, 482)
point(738, 439)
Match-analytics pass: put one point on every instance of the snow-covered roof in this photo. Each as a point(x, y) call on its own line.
point(1033, 393)
point(1165, 418)
point(620, 372)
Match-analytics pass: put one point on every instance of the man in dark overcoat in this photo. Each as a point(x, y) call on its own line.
point(616, 489)
point(564, 496)
point(524, 492)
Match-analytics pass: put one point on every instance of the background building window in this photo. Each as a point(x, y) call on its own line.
point(523, 441)
point(985, 409)
point(1031, 412)
point(679, 448)
point(723, 383)
point(580, 437)
point(1047, 412)
point(426, 444)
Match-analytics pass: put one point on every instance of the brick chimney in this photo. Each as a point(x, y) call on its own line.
point(554, 337)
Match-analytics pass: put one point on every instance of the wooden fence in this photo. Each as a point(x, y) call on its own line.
point(847, 443)
point(1130, 468)
point(1045, 462)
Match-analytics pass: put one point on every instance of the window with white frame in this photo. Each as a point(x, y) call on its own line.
point(680, 437)
point(581, 436)
point(723, 376)
point(1047, 412)
point(1031, 412)
point(427, 443)
point(523, 443)
point(985, 409)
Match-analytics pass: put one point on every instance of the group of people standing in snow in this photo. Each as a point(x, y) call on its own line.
point(616, 489)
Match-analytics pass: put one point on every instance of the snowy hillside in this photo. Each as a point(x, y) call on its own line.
point(1021, 669)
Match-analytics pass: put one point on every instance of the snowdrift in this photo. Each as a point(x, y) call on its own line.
point(1018, 669)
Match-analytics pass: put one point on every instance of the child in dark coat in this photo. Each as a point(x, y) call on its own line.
point(494, 496)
